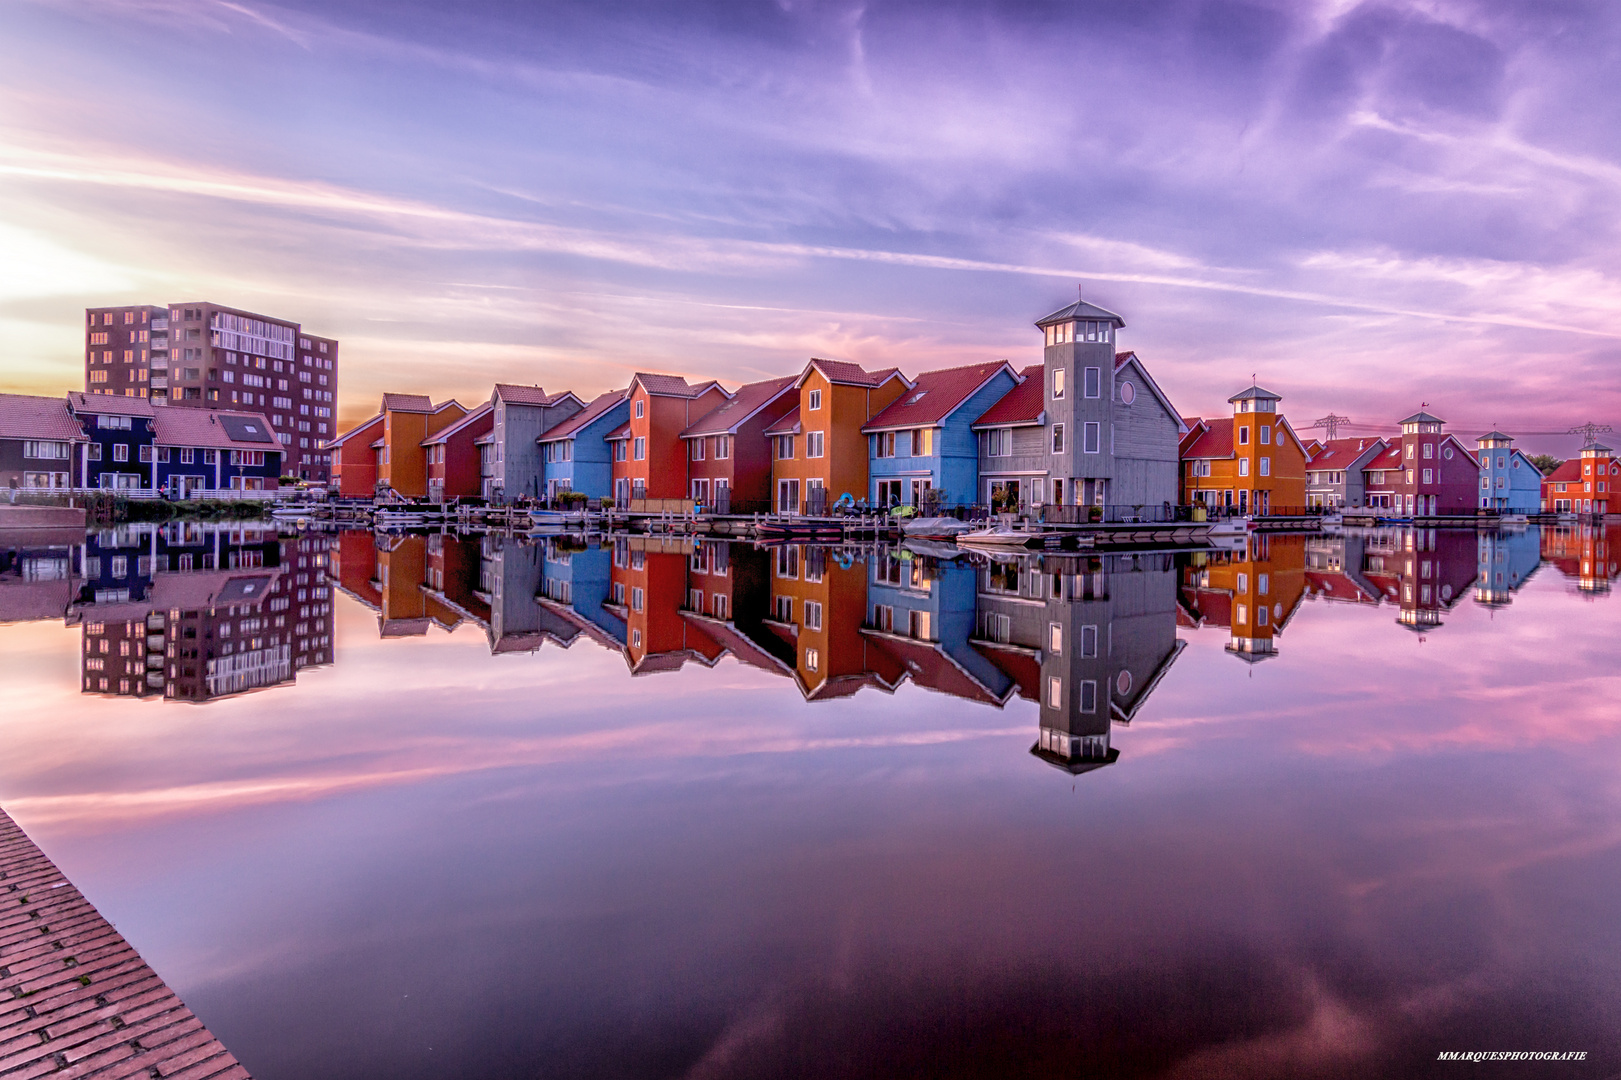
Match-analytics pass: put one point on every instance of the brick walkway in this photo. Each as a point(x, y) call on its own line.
point(75, 999)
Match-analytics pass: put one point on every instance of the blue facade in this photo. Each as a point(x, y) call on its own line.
point(121, 451)
point(583, 461)
point(182, 469)
point(1507, 559)
point(951, 464)
point(933, 601)
point(582, 579)
point(1509, 483)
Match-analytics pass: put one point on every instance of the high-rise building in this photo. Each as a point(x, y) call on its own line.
point(208, 356)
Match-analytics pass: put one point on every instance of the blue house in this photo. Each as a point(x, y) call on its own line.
point(923, 441)
point(575, 456)
point(1509, 483)
point(206, 449)
point(120, 454)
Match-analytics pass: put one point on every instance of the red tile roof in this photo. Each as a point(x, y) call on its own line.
point(201, 427)
point(842, 371)
point(352, 432)
point(523, 395)
point(407, 403)
point(1021, 665)
point(115, 404)
point(620, 432)
point(670, 385)
point(748, 400)
point(23, 416)
point(935, 395)
point(928, 666)
point(788, 425)
point(1570, 471)
point(1390, 459)
point(1340, 453)
point(484, 412)
point(599, 405)
point(1215, 441)
point(1023, 404)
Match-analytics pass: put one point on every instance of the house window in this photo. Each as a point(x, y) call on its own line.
point(641, 408)
point(813, 444)
point(1055, 639)
point(1094, 382)
point(782, 609)
point(1266, 466)
point(922, 442)
point(1266, 435)
point(884, 442)
point(815, 400)
point(1429, 450)
point(1058, 384)
point(1089, 641)
point(1091, 437)
point(1429, 476)
point(813, 615)
point(641, 448)
point(1128, 393)
point(1243, 436)
point(785, 447)
point(120, 451)
point(637, 599)
point(1243, 466)
point(1058, 438)
point(723, 447)
point(1089, 695)
point(1055, 692)
point(998, 442)
point(697, 449)
point(813, 659)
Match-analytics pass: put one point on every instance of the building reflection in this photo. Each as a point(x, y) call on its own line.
point(1252, 593)
point(1588, 554)
point(185, 610)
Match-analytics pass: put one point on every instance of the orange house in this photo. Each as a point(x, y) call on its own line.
point(354, 462)
point(818, 608)
point(1253, 461)
point(1253, 594)
point(650, 457)
point(408, 419)
point(819, 452)
point(1585, 484)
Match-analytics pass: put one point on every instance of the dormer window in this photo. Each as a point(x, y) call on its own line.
point(815, 400)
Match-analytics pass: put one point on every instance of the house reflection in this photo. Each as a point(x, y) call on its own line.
point(1588, 554)
point(1252, 593)
point(1506, 560)
point(184, 610)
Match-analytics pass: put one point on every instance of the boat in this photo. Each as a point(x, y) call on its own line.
point(935, 528)
point(807, 530)
point(546, 518)
point(999, 537)
point(935, 549)
point(1233, 526)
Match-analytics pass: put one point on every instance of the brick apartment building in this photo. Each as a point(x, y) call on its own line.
point(205, 355)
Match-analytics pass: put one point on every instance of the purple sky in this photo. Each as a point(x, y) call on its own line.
point(1367, 206)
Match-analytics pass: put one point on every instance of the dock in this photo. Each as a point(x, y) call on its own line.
point(76, 999)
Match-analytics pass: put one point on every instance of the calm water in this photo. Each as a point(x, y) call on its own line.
point(419, 807)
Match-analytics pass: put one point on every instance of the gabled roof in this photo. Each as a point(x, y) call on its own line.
point(1422, 417)
point(1390, 459)
point(935, 395)
point(1345, 453)
point(929, 666)
point(23, 416)
point(1124, 358)
point(788, 425)
point(618, 433)
point(1211, 439)
point(746, 402)
point(215, 428)
point(848, 374)
point(600, 404)
point(352, 432)
point(672, 385)
point(1312, 447)
point(516, 394)
point(1570, 471)
point(484, 411)
point(1256, 393)
point(419, 403)
point(1082, 310)
point(109, 404)
point(1024, 404)
point(451, 404)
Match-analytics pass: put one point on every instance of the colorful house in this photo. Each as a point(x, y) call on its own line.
point(1014, 457)
point(40, 443)
point(119, 452)
point(1509, 482)
point(1585, 552)
point(921, 612)
point(1253, 594)
point(576, 455)
point(1252, 461)
point(510, 464)
point(923, 448)
point(727, 451)
point(1111, 431)
point(1335, 476)
point(818, 608)
point(354, 460)
point(1439, 476)
point(197, 449)
point(1507, 559)
point(453, 456)
point(662, 407)
point(819, 453)
point(402, 459)
point(1585, 484)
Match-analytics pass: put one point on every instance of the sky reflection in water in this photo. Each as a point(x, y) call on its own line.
point(425, 860)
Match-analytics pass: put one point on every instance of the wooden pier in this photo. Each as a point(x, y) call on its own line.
point(76, 1000)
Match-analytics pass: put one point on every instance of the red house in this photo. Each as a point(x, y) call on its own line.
point(354, 462)
point(453, 456)
point(1585, 484)
point(1438, 475)
point(728, 450)
point(661, 408)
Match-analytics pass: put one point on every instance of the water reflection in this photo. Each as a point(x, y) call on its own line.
point(184, 610)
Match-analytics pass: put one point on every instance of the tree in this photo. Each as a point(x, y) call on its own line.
point(1547, 463)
